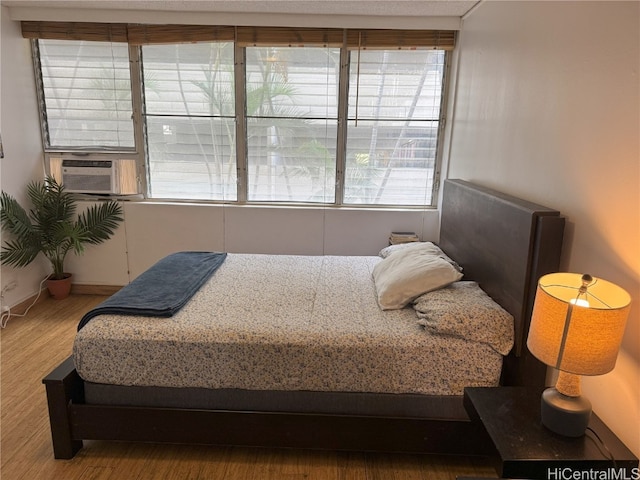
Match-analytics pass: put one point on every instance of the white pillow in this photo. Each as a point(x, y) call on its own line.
point(409, 273)
point(386, 251)
point(428, 247)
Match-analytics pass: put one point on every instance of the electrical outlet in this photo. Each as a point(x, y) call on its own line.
point(5, 309)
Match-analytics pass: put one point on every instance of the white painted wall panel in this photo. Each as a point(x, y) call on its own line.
point(363, 232)
point(22, 145)
point(547, 107)
point(295, 231)
point(156, 230)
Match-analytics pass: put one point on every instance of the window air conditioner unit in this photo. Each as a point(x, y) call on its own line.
point(109, 177)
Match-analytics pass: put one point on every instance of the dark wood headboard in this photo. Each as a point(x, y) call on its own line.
point(505, 244)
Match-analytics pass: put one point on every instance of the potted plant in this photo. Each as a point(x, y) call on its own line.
point(52, 227)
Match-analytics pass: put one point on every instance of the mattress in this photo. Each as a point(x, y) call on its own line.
point(284, 323)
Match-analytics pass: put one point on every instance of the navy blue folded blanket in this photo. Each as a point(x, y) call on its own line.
point(163, 289)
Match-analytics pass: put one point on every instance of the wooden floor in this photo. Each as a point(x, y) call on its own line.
point(32, 346)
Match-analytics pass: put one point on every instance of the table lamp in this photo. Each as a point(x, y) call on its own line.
point(577, 326)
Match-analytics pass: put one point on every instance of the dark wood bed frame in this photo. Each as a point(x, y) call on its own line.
point(503, 243)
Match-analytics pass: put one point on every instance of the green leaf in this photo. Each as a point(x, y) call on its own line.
point(99, 222)
point(13, 217)
point(51, 226)
point(18, 254)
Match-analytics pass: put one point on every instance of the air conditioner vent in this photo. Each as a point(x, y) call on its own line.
point(87, 183)
point(87, 163)
point(111, 177)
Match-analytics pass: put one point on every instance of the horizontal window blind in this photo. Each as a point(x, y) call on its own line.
point(393, 121)
point(190, 120)
point(87, 94)
point(285, 36)
point(138, 34)
point(292, 117)
point(96, 32)
point(161, 34)
point(380, 39)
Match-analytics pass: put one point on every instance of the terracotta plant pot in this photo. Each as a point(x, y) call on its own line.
point(59, 289)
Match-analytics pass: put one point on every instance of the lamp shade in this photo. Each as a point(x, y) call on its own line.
point(567, 334)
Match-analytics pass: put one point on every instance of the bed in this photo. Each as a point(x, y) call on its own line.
point(359, 382)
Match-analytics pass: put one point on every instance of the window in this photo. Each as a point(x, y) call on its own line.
point(249, 114)
point(190, 120)
point(291, 113)
point(86, 92)
point(394, 117)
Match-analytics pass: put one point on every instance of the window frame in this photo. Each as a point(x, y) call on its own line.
point(140, 152)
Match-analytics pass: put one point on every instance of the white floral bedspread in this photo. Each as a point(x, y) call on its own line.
point(279, 322)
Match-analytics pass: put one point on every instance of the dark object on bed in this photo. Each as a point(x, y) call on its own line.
point(163, 289)
point(505, 244)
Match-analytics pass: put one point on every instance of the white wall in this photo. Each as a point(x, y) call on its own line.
point(153, 230)
point(547, 108)
point(254, 15)
point(20, 129)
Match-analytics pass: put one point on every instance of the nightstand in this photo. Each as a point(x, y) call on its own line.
point(524, 448)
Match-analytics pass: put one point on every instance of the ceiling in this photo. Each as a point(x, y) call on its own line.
point(402, 8)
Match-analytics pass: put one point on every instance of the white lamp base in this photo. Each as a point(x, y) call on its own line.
point(565, 415)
